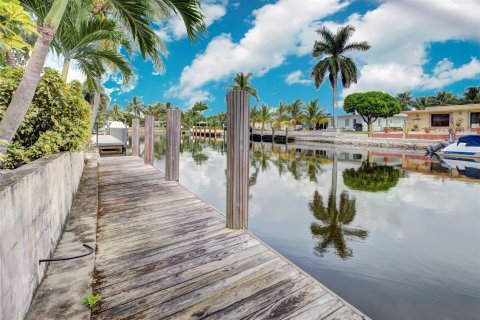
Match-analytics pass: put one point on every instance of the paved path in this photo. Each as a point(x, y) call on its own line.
point(162, 253)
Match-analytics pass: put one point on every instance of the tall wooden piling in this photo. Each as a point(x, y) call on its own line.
point(148, 143)
point(172, 167)
point(238, 112)
point(135, 137)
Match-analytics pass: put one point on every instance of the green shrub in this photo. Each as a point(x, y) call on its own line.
point(91, 300)
point(57, 120)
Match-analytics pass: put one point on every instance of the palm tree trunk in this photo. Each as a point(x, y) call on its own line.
point(333, 106)
point(25, 92)
point(9, 59)
point(65, 69)
point(26, 89)
point(95, 105)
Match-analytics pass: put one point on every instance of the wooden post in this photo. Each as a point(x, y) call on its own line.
point(273, 134)
point(173, 145)
point(238, 112)
point(404, 130)
point(286, 135)
point(148, 144)
point(135, 137)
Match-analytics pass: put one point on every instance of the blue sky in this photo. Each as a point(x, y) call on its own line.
point(417, 46)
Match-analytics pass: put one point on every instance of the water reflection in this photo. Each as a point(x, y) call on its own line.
point(371, 176)
point(364, 245)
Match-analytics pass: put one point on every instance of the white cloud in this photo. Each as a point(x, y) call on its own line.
point(401, 32)
point(276, 34)
point(296, 77)
point(155, 73)
point(213, 10)
point(189, 95)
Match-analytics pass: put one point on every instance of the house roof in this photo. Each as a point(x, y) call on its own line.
point(461, 107)
point(357, 115)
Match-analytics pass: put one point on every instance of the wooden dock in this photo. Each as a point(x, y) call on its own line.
point(162, 253)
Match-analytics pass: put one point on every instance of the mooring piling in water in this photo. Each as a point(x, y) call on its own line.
point(238, 112)
point(148, 144)
point(172, 168)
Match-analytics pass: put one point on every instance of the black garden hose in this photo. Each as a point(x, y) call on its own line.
point(70, 258)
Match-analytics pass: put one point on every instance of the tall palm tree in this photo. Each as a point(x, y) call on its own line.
point(242, 82)
point(136, 106)
point(200, 106)
point(295, 110)
point(405, 99)
point(335, 63)
point(133, 16)
point(265, 115)
point(421, 103)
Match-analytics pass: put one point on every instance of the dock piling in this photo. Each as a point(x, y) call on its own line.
point(238, 111)
point(135, 137)
point(172, 168)
point(148, 152)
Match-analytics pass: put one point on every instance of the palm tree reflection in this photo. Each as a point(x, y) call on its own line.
point(333, 231)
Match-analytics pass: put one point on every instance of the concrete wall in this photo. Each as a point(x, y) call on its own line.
point(34, 202)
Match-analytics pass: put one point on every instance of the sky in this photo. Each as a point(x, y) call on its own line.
point(420, 46)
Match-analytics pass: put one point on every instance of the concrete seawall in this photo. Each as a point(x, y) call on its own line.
point(34, 202)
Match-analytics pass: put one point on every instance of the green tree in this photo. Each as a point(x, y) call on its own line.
point(117, 112)
point(371, 106)
point(314, 114)
point(15, 25)
point(200, 106)
point(134, 17)
point(265, 115)
point(472, 95)
point(136, 106)
point(421, 103)
point(241, 81)
point(296, 114)
point(332, 48)
point(444, 98)
point(254, 115)
point(405, 99)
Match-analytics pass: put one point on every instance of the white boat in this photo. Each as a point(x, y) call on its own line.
point(467, 147)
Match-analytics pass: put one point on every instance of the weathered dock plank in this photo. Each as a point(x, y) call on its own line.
point(162, 253)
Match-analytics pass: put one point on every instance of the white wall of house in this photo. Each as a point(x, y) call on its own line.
point(347, 122)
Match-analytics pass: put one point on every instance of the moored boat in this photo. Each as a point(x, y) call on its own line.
point(467, 147)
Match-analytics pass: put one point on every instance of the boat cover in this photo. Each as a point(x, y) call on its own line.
point(472, 140)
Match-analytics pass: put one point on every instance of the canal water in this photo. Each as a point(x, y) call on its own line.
point(396, 234)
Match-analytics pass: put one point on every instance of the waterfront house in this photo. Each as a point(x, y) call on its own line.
point(463, 118)
point(349, 122)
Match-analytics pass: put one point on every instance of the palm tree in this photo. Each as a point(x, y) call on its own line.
point(472, 94)
point(200, 106)
point(265, 115)
point(117, 112)
point(313, 113)
point(295, 111)
point(133, 16)
point(254, 115)
point(405, 99)
point(282, 112)
point(421, 103)
point(445, 98)
point(135, 106)
point(333, 47)
point(242, 82)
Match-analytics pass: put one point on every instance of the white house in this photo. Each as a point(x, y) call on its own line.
point(350, 121)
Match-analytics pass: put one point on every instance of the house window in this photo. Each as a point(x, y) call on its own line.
point(347, 122)
point(475, 119)
point(354, 121)
point(440, 120)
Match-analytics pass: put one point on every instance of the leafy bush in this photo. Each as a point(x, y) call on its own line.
point(57, 120)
